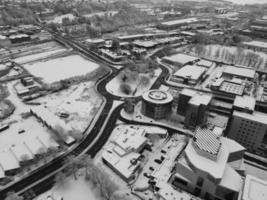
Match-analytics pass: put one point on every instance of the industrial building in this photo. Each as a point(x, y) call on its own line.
point(156, 104)
point(189, 74)
point(175, 24)
point(248, 127)
point(243, 73)
point(180, 60)
point(205, 167)
point(256, 45)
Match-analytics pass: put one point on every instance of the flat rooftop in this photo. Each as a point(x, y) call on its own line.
point(254, 189)
point(232, 88)
point(188, 92)
point(8, 161)
point(255, 116)
point(240, 71)
point(201, 99)
point(157, 96)
point(181, 58)
point(256, 43)
point(180, 21)
point(245, 102)
point(192, 72)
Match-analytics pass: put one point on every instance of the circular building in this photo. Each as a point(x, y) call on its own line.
point(156, 104)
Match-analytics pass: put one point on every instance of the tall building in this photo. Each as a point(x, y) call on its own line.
point(205, 168)
point(156, 104)
point(248, 127)
point(184, 97)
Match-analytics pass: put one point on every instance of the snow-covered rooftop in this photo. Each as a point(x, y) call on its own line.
point(21, 152)
point(254, 189)
point(8, 161)
point(192, 72)
point(35, 146)
point(231, 179)
point(201, 98)
point(245, 102)
point(158, 96)
point(256, 43)
point(181, 58)
point(180, 21)
point(240, 71)
point(188, 92)
point(205, 63)
point(255, 116)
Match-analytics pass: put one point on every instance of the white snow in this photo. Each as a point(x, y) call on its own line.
point(113, 86)
point(58, 19)
point(61, 68)
point(33, 57)
point(80, 101)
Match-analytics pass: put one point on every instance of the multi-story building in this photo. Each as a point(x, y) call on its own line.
point(184, 97)
point(156, 104)
point(196, 113)
point(205, 167)
point(248, 127)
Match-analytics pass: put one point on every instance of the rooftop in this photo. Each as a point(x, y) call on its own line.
point(256, 43)
point(188, 92)
point(232, 88)
point(231, 179)
point(255, 116)
point(180, 21)
point(208, 142)
point(240, 71)
point(205, 63)
point(190, 71)
point(158, 96)
point(21, 152)
point(254, 189)
point(201, 99)
point(181, 58)
point(8, 161)
point(245, 102)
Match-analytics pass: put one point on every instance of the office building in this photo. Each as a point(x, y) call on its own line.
point(243, 73)
point(196, 113)
point(248, 127)
point(184, 97)
point(156, 104)
point(204, 167)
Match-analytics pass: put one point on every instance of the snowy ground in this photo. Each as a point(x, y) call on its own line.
point(72, 190)
point(58, 19)
point(33, 57)
point(113, 86)
point(31, 126)
point(61, 68)
point(80, 101)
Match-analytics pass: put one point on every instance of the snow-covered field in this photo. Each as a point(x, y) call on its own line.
point(61, 68)
point(72, 190)
point(33, 57)
point(113, 86)
point(80, 101)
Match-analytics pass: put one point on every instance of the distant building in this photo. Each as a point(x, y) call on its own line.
point(254, 189)
point(180, 60)
point(248, 127)
point(27, 81)
point(204, 168)
point(239, 72)
point(189, 74)
point(19, 38)
point(156, 104)
point(256, 45)
point(230, 87)
point(4, 41)
point(175, 24)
